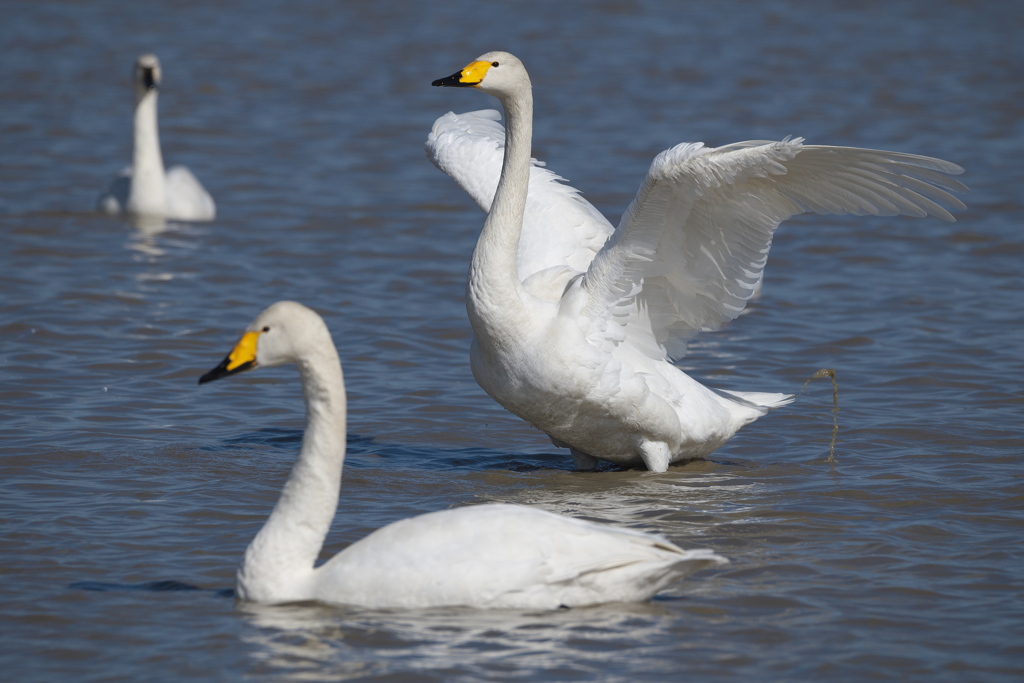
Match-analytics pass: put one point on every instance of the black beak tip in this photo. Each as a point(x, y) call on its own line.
point(216, 373)
point(453, 81)
point(222, 371)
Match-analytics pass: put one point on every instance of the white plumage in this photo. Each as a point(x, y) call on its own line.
point(489, 556)
point(144, 188)
point(576, 324)
point(562, 228)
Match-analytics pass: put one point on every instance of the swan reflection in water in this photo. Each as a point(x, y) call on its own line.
point(303, 640)
point(146, 229)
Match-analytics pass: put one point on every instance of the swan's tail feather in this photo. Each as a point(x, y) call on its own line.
point(695, 560)
point(763, 401)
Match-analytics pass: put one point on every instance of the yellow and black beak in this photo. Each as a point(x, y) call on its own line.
point(241, 358)
point(470, 77)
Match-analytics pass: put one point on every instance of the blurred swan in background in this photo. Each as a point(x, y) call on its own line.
point(144, 189)
point(491, 556)
point(576, 323)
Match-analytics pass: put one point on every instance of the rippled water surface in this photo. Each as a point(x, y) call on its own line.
point(128, 493)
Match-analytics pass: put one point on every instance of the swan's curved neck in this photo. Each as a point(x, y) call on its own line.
point(495, 293)
point(148, 189)
point(280, 559)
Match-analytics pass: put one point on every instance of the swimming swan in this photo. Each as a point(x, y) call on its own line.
point(143, 189)
point(576, 323)
point(491, 556)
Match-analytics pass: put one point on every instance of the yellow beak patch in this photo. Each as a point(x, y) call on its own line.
point(244, 351)
point(474, 73)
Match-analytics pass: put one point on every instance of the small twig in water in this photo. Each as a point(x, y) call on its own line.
point(829, 372)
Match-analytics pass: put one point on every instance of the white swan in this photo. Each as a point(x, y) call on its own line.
point(576, 323)
point(492, 556)
point(144, 189)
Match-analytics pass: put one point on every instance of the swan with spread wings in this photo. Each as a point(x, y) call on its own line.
point(576, 323)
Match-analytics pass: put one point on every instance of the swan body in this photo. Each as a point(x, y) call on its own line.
point(144, 188)
point(488, 556)
point(576, 323)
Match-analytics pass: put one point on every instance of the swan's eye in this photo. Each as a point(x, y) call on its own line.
point(494, 64)
point(266, 328)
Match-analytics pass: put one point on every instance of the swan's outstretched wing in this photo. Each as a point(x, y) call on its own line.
point(187, 199)
point(692, 245)
point(560, 227)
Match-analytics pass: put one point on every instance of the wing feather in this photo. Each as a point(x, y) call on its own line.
point(692, 245)
point(187, 199)
point(560, 228)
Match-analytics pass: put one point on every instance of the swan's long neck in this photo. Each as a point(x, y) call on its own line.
point(495, 297)
point(148, 191)
point(279, 562)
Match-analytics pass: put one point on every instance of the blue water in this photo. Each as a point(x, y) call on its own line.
point(128, 493)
